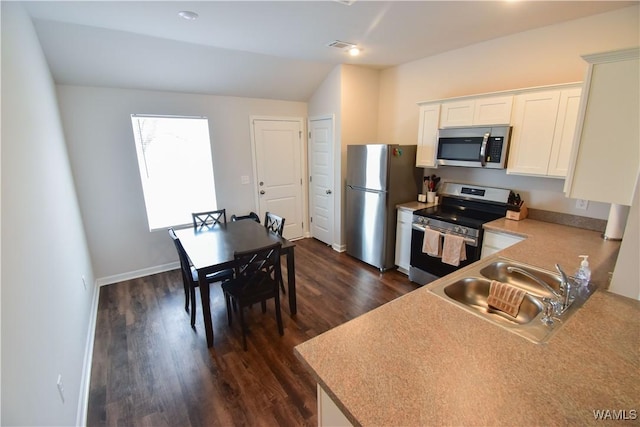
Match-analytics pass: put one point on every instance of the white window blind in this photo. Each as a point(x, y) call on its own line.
point(176, 168)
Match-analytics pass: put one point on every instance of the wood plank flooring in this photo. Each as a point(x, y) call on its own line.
point(150, 368)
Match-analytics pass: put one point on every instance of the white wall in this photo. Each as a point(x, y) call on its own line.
point(97, 125)
point(46, 312)
point(352, 93)
point(544, 56)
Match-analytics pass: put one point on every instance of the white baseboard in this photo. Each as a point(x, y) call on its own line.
point(85, 381)
point(102, 281)
point(339, 248)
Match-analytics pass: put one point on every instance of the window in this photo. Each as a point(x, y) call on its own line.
point(176, 168)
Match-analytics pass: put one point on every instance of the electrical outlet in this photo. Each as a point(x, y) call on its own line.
point(582, 204)
point(84, 283)
point(60, 387)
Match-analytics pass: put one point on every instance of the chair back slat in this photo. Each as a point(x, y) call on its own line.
point(274, 223)
point(203, 221)
point(259, 267)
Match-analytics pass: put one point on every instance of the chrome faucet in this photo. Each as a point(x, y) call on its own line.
point(566, 288)
point(562, 299)
point(542, 283)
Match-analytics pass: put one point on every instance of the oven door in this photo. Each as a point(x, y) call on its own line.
point(434, 265)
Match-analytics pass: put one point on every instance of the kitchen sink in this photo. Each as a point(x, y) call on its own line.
point(473, 293)
point(468, 289)
point(506, 271)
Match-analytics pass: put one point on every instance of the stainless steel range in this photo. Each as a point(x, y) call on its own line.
point(464, 208)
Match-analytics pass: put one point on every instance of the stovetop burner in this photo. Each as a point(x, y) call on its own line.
point(459, 216)
point(468, 205)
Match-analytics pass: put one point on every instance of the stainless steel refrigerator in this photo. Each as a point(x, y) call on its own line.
point(379, 177)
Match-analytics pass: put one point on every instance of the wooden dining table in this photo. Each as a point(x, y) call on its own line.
point(213, 250)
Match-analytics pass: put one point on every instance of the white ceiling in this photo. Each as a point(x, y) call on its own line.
point(267, 49)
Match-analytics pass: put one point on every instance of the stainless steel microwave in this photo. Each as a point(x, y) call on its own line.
point(474, 147)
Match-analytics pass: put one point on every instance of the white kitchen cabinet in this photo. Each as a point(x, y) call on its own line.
point(494, 241)
point(328, 412)
point(605, 156)
point(428, 135)
point(564, 133)
point(543, 127)
point(491, 110)
point(403, 240)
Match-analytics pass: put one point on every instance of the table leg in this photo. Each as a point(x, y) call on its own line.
point(206, 308)
point(291, 280)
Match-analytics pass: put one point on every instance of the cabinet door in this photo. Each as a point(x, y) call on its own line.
point(457, 113)
point(428, 136)
point(534, 121)
point(493, 242)
point(495, 110)
point(565, 132)
point(403, 240)
point(606, 157)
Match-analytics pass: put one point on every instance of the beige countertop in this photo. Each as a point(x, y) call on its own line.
point(414, 206)
point(421, 360)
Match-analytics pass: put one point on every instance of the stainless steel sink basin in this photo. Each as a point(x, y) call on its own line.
point(499, 270)
point(473, 293)
point(469, 288)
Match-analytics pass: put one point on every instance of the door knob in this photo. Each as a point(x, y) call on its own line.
point(261, 191)
point(328, 191)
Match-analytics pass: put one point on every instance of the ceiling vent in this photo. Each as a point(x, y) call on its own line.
point(340, 44)
point(346, 2)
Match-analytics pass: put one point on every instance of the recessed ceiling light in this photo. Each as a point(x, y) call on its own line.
point(354, 51)
point(188, 15)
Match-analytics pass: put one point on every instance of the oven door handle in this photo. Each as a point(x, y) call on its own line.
point(483, 149)
point(422, 228)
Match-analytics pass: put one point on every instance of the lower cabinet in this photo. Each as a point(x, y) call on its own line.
point(494, 241)
point(403, 240)
point(328, 412)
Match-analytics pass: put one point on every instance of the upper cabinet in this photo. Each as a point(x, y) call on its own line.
point(605, 157)
point(428, 135)
point(492, 110)
point(543, 122)
point(543, 129)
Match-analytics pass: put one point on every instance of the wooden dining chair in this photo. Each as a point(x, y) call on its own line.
point(203, 221)
point(257, 275)
point(190, 277)
point(274, 223)
point(252, 215)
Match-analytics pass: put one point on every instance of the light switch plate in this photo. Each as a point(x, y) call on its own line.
point(244, 179)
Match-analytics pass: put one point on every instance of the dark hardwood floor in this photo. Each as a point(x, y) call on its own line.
point(150, 368)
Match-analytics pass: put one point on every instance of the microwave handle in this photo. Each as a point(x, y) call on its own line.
point(483, 149)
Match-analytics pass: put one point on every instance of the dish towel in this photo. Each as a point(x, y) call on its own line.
point(454, 250)
point(431, 242)
point(505, 298)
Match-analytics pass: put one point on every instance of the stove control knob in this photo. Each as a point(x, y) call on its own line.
point(456, 229)
point(464, 230)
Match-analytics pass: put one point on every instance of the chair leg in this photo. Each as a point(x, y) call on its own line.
point(284, 291)
point(279, 315)
point(244, 333)
point(193, 307)
point(264, 306)
point(227, 299)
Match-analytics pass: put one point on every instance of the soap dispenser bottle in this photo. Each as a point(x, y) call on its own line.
point(583, 275)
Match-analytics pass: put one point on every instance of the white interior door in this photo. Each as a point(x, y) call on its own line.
point(321, 189)
point(277, 145)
